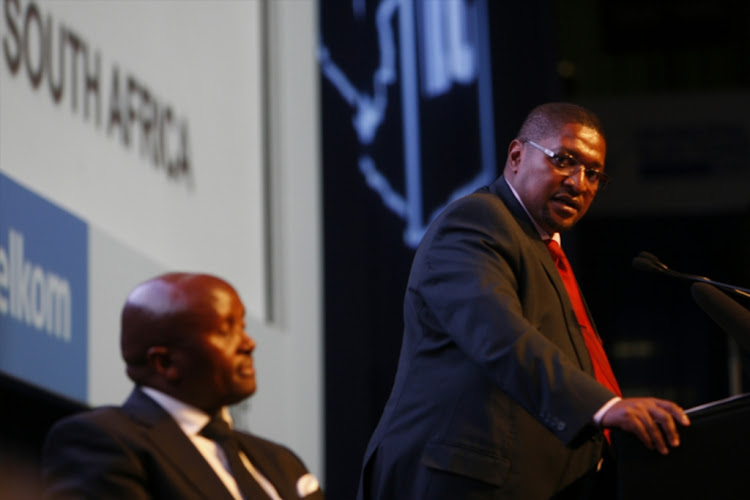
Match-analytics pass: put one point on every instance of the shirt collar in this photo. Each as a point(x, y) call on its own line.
point(542, 233)
point(190, 419)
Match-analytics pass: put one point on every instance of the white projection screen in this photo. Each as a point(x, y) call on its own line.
point(142, 123)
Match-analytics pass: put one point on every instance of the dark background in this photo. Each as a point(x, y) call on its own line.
point(670, 80)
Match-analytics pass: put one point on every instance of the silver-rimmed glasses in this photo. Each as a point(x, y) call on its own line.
point(568, 165)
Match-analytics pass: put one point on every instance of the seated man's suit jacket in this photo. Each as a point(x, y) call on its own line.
point(138, 451)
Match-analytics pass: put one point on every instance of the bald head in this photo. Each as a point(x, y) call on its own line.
point(164, 311)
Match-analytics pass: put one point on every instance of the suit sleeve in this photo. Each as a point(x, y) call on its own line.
point(481, 283)
point(84, 461)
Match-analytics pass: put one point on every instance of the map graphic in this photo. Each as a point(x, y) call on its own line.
point(432, 52)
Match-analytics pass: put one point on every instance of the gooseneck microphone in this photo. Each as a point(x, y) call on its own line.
point(645, 261)
point(732, 317)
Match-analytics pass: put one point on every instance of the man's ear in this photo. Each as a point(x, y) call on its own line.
point(161, 363)
point(515, 149)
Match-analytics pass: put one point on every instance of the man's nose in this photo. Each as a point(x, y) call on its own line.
point(578, 179)
point(248, 343)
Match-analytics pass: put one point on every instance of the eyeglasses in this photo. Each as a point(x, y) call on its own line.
point(568, 165)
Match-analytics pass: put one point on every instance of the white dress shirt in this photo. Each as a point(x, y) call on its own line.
point(191, 420)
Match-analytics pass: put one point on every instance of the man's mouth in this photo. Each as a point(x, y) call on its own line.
point(247, 369)
point(566, 203)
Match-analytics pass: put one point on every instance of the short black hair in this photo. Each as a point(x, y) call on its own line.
point(547, 119)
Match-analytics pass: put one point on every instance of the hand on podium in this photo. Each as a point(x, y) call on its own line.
point(653, 421)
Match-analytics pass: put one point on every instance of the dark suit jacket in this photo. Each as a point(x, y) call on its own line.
point(138, 451)
point(494, 393)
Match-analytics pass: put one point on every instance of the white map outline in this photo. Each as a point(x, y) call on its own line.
point(370, 109)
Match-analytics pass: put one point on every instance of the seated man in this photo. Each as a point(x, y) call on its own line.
point(184, 343)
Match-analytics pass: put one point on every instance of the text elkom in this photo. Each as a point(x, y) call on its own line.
point(29, 294)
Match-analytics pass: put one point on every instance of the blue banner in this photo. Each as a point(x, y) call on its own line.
point(43, 292)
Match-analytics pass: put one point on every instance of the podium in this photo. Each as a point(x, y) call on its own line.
point(712, 461)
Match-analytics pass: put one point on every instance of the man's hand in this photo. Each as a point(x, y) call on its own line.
point(652, 421)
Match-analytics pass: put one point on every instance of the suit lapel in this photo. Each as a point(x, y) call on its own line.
point(574, 330)
point(502, 190)
point(268, 462)
point(173, 446)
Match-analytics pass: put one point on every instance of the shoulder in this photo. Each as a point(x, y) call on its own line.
point(479, 212)
point(483, 199)
point(482, 217)
point(73, 437)
point(98, 417)
point(92, 428)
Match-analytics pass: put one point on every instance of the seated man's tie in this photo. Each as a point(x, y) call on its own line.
point(218, 430)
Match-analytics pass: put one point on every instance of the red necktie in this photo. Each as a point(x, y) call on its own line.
point(602, 369)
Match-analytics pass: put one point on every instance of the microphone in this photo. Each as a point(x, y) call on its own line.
point(645, 261)
point(732, 317)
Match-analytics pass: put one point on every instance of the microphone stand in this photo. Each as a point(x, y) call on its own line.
point(649, 262)
point(645, 261)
